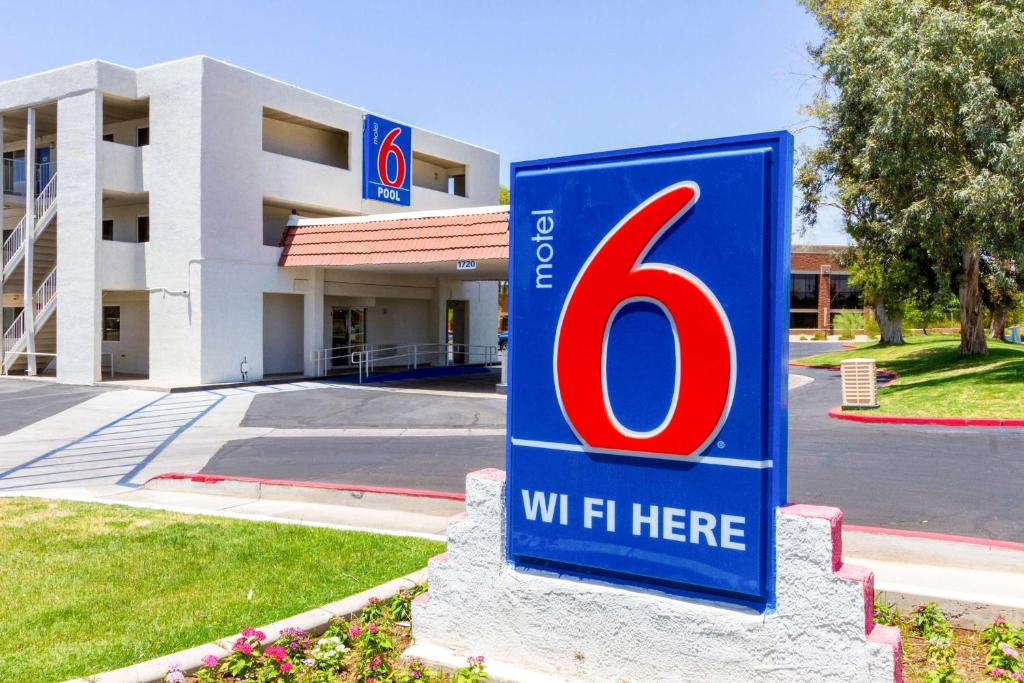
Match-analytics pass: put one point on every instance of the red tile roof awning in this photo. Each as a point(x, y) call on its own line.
point(426, 237)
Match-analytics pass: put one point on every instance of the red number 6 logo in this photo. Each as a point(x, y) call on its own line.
point(388, 147)
point(613, 276)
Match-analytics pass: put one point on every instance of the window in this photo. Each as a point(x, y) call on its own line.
point(457, 184)
point(142, 226)
point(112, 323)
point(143, 138)
point(843, 294)
point(108, 137)
point(803, 321)
point(108, 230)
point(803, 290)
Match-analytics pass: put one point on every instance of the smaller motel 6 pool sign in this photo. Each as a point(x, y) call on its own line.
point(647, 392)
point(387, 161)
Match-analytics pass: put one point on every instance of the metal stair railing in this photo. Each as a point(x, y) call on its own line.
point(13, 246)
point(46, 197)
point(14, 333)
point(45, 295)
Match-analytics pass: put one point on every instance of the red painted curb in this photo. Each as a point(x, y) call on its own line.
point(395, 491)
point(839, 414)
point(936, 536)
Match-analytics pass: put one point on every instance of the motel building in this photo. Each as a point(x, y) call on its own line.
point(194, 222)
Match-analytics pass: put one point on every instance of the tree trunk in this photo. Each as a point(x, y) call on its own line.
point(998, 328)
point(891, 327)
point(972, 327)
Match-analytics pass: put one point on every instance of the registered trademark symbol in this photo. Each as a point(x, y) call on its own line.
point(721, 444)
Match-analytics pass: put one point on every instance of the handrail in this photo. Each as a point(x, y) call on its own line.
point(14, 332)
point(14, 242)
point(366, 361)
point(323, 357)
point(46, 291)
point(46, 197)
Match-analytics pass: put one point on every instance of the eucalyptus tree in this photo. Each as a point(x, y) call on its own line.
point(922, 115)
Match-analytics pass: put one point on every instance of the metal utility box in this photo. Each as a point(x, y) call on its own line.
point(859, 387)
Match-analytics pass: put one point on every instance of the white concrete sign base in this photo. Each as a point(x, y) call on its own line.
point(537, 626)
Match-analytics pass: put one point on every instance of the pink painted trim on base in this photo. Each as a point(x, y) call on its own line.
point(858, 416)
point(421, 599)
point(834, 516)
point(441, 558)
point(891, 636)
point(866, 578)
point(936, 536)
point(492, 473)
point(395, 491)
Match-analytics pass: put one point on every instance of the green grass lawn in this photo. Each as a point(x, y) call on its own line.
point(85, 587)
point(935, 381)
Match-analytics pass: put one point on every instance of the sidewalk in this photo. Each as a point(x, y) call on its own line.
point(972, 580)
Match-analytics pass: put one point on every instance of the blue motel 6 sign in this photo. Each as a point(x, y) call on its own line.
point(387, 161)
point(647, 390)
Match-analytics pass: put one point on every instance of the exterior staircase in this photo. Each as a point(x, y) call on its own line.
point(44, 300)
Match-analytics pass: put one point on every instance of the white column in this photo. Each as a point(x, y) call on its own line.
point(30, 229)
point(313, 321)
point(80, 209)
point(2, 263)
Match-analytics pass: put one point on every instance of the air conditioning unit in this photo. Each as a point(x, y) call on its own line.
point(859, 386)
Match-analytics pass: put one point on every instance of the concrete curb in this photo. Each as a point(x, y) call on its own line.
point(839, 414)
point(314, 620)
point(255, 485)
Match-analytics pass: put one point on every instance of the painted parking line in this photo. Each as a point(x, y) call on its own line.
point(117, 451)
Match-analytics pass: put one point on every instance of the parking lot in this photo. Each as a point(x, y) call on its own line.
point(429, 433)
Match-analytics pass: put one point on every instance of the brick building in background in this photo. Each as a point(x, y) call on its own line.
point(820, 288)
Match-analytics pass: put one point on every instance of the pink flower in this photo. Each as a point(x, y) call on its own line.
point(248, 631)
point(354, 631)
point(1000, 620)
point(996, 672)
point(1007, 650)
point(371, 680)
point(276, 652)
point(373, 601)
point(375, 662)
point(260, 635)
point(210, 661)
point(285, 667)
point(243, 646)
point(372, 628)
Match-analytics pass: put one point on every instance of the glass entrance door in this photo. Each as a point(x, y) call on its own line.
point(348, 334)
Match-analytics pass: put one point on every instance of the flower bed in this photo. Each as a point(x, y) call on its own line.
point(935, 652)
point(366, 649)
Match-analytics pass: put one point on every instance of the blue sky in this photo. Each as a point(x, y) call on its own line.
point(530, 78)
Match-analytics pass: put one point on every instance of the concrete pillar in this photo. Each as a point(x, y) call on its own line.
point(2, 264)
point(80, 211)
point(30, 229)
point(825, 299)
point(313, 322)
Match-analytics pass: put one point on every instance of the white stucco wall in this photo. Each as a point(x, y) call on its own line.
point(282, 333)
point(131, 353)
point(537, 626)
point(208, 179)
point(80, 207)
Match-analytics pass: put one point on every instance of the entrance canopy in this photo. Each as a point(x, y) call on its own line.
point(471, 244)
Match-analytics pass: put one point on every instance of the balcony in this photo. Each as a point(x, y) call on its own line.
point(122, 265)
point(123, 167)
point(294, 181)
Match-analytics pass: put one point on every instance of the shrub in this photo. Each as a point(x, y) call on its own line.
point(820, 336)
point(848, 323)
point(1005, 657)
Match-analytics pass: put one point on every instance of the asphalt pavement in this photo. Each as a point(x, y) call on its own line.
point(24, 402)
point(942, 479)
